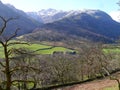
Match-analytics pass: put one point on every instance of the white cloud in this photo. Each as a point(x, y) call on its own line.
point(115, 15)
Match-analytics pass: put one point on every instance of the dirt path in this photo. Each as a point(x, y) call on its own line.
point(94, 85)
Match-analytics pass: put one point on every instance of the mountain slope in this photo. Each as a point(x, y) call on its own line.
point(94, 21)
point(24, 22)
point(93, 25)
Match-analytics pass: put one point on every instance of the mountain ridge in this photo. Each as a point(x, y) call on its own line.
point(51, 15)
point(94, 25)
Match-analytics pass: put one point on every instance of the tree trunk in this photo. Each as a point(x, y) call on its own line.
point(7, 69)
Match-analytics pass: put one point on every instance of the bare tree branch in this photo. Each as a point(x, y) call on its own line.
point(22, 67)
point(2, 64)
point(5, 23)
point(12, 36)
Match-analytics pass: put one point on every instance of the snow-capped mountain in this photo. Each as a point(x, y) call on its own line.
point(35, 16)
point(49, 12)
point(51, 15)
point(94, 25)
point(47, 15)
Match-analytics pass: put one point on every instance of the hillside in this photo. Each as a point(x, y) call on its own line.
point(94, 25)
point(24, 22)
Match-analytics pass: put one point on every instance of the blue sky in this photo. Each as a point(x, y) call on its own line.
point(36, 5)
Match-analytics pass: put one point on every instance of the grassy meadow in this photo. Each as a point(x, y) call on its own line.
point(37, 48)
point(112, 50)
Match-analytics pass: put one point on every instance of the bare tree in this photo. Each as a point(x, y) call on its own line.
point(5, 41)
point(26, 68)
point(94, 61)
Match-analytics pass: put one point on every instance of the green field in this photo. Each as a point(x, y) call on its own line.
point(37, 48)
point(112, 50)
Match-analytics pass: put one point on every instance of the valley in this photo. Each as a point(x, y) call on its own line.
point(51, 49)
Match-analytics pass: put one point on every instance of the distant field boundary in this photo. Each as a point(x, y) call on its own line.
point(74, 83)
point(44, 48)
